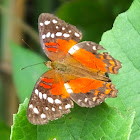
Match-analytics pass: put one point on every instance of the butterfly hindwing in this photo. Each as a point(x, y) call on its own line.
point(56, 36)
point(90, 92)
point(49, 99)
point(87, 54)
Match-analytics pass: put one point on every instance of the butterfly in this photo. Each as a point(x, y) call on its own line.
point(78, 72)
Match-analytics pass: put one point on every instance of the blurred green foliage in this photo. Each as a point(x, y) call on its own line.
point(24, 84)
point(93, 17)
point(4, 131)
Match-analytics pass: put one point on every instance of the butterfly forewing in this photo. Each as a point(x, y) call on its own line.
point(56, 35)
point(47, 101)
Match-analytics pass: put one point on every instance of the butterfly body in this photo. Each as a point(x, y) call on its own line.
point(64, 67)
point(77, 72)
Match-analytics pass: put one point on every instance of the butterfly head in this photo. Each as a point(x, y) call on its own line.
point(48, 64)
point(56, 65)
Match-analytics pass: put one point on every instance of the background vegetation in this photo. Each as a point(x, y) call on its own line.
point(117, 118)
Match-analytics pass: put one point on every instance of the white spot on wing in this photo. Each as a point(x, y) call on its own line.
point(41, 24)
point(48, 34)
point(60, 107)
point(94, 47)
point(73, 49)
point(47, 22)
point(86, 99)
point(58, 34)
point(53, 109)
point(94, 99)
point(35, 110)
point(40, 95)
point(56, 27)
point(57, 101)
point(43, 36)
point(88, 44)
point(67, 85)
point(66, 35)
point(36, 91)
point(52, 35)
point(45, 96)
point(69, 31)
point(50, 100)
point(68, 88)
point(76, 34)
point(43, 116)
point(67, 106)
point(79, 100)
point(63, 28)
point(30, 106)
point(46, 108)
point(54, 21)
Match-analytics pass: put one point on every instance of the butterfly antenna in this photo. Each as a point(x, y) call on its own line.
point(30, 47)
point(32, 65)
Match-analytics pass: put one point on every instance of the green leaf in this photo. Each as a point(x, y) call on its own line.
point(81, 124)
point(25, 79)
point(123, 43)
point(4, 131)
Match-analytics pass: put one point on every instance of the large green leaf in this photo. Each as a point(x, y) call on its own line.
point(25, 79)
point(81, 124)
point(123, 42)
